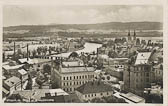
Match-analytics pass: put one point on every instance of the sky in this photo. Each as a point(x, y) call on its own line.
point(79, 14)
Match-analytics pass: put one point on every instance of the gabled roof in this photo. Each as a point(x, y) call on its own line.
point(142, 58)
point(94, 87)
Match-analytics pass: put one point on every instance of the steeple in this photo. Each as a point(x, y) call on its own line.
point(134, 35)
point(129, 36)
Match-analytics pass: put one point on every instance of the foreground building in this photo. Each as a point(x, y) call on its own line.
point(139, 75)
point(71, 77)
point(39, 95)
point(94, 89)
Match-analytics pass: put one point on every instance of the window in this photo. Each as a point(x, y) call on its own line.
point(64, 84)
point(70, 78)
point(70, 89)
point(64, 78)
point(70, 83)
point(85, 96)
point(147, 79)
point(74, 83)
point(147, 74)
point(67, 78)
point(77, 77)
point(136, 80)
point(85, 76)
point(95, 94)
point(139, 68)
point(107, 93)
point(92, 95)
point(101, 93)
point(74, 77)
point(88, 95)
point(77, 82)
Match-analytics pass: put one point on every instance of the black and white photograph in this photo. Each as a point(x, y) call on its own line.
point(82, 54)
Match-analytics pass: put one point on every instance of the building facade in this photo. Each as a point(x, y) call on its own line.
point(69, 78)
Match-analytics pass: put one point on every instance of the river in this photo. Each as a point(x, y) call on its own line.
point(88, 48)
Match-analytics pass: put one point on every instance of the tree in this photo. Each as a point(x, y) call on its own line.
point(108, 77)
point(138, 41)
point(29, 84)
point(74, 55)
point(40, 79)
point(98, 100)
point(47, 69)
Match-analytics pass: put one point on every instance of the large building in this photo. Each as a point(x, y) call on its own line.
point(70, 77)
point(139, 75)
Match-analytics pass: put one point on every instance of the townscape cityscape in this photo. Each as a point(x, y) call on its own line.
point(96, 62)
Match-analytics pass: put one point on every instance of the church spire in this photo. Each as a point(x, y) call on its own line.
point(134, 35)
point(129, 36)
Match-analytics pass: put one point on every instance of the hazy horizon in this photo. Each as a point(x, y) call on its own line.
point(14, 15)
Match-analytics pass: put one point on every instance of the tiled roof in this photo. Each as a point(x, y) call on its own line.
point(94, 87)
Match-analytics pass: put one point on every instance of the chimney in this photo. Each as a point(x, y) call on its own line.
point(97, 51)
point(14, 51)
point(27, 52)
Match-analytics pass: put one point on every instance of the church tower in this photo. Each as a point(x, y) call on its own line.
point(134, 38)
point(134, 35)
point(129, 37)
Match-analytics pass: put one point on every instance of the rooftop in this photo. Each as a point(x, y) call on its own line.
point(142, 58)
point(8, 67)
point(38, 93)
point(94, 87)
point(22, 71)
point(77, 69)
point(132, 97)
point(12, 81)
point(71, 63)
point(34, 61)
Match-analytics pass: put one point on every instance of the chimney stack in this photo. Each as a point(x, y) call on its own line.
point(27, 52)
point(14, 51)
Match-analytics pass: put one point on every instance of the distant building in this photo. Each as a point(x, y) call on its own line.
point(94, 89)
point(69, 78)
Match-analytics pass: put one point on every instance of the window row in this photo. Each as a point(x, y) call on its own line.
point(141, 74)
point(74, 83)
point(68, 89)
point(94, 95)
point(142, 68)
point(78, 77)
